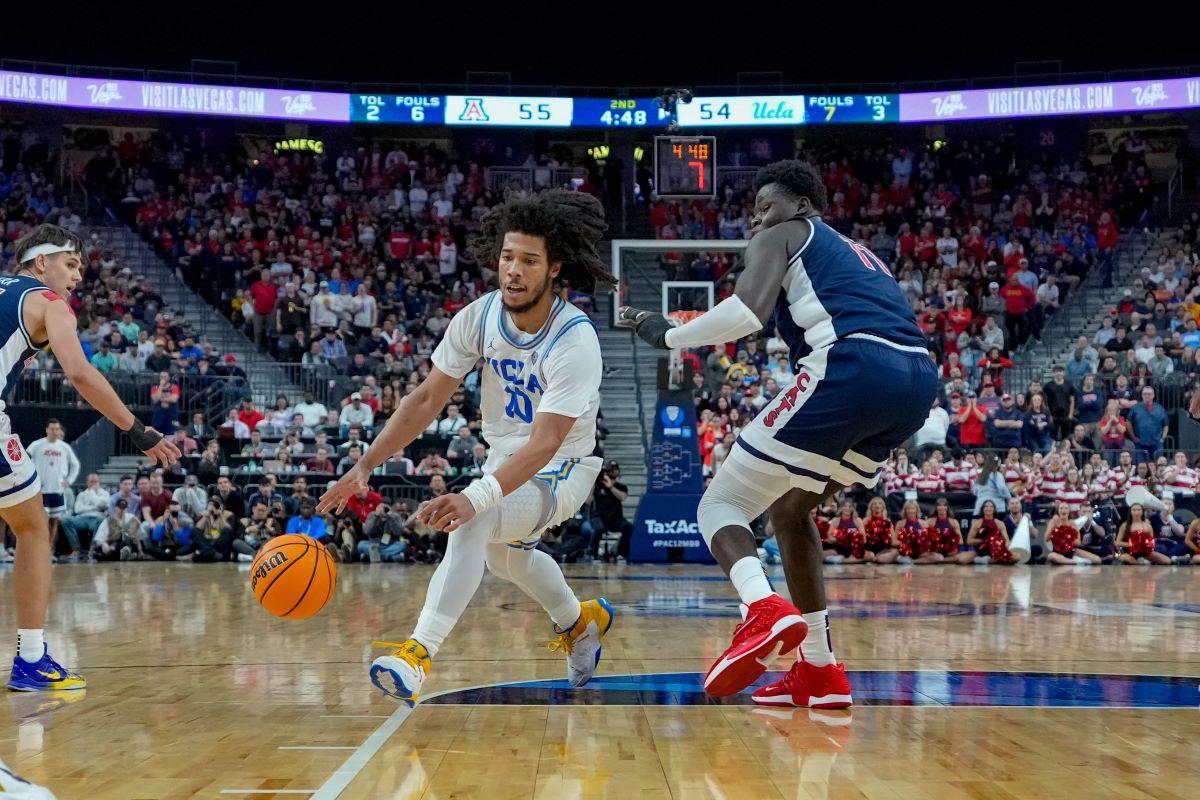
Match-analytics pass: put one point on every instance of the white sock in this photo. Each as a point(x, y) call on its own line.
point(30, 644)
point(750, 580)
point(817, 647)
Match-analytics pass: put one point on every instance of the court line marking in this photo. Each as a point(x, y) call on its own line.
point(354, 764)
point(268, 791)
point(356, 761)
point(317, 747)
point(355, 716)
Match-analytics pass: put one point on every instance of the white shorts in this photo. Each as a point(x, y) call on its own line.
point(567, 482)
point(18, 478)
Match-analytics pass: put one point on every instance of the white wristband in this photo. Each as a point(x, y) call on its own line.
point(484, 493)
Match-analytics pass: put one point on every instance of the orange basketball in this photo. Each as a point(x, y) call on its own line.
point(293, 576)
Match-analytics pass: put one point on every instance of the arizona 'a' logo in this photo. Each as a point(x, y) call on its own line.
point(473, 112)
point(13, 448)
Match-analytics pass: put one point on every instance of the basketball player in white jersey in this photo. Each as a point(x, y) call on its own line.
point(540, 390)
point(34, 315)
point(57, 468)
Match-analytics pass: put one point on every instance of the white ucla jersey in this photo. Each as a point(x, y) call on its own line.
point(556, 370)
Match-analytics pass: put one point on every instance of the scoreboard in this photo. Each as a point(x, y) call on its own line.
point(748, 111)
point(397, 108)
point(709, 112)
point(625, 112)
point(685, 166)
point(852, 108)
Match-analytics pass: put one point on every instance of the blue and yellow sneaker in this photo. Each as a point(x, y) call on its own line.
point(401, 674)
point(582, 641)
point(44, 675)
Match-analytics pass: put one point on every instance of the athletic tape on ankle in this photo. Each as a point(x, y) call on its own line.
point(484, 493)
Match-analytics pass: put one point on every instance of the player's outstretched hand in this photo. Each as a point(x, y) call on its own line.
point(446, 513)
point(650, 326)
point(164, 453)
point(340, 493)
point(1194, 406)
point(152, 443)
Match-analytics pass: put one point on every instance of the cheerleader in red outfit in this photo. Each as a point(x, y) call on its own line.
point(914, 541)
point(1063, 538)
point(878, 530)
point(850, 540)
point(944, 536)
point(1135, 540)
point(828, 544)
point(989, 538)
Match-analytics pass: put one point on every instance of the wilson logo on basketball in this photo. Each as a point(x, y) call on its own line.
point(15, 453)
point(265, 568)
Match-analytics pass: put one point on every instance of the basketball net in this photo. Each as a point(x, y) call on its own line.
point(675, 359)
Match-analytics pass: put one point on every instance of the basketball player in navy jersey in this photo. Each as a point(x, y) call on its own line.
point(863, 384)
point(34, 315)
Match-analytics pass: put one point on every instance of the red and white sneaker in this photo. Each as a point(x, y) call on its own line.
point(806, 686)
point(771, 628)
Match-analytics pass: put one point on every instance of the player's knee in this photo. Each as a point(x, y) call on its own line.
point(721, 509)
point(507, 561)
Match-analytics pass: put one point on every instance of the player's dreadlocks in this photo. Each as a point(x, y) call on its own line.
point(797, 178)
point(571, 223)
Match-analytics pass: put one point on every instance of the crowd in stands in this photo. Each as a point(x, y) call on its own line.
point(259, 475)
point(987, 249)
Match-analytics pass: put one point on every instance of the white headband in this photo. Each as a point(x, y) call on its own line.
point(46, 250)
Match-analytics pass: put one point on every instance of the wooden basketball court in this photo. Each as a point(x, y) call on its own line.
point(970, 682)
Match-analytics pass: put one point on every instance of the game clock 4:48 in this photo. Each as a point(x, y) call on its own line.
point(685, 166)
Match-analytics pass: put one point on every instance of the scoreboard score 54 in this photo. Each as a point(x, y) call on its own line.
point(685, 166)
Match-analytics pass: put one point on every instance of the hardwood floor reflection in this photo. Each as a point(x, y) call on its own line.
point(194, 691)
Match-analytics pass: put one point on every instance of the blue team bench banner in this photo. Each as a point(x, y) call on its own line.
point(666, 530)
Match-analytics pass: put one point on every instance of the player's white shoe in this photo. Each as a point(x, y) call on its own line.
point(582, 641)
point(401, 674)
point(14, 787)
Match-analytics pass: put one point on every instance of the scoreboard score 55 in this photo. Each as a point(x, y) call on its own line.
point(685, 166)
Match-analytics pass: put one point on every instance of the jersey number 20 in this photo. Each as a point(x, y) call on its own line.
point(519, 405)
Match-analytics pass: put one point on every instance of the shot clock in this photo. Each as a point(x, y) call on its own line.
point(685, 166)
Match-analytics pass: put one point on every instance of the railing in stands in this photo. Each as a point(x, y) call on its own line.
point(740, 178)
point(526, 179)
point(211, 395)
point(95, 445)
point(1174, 190)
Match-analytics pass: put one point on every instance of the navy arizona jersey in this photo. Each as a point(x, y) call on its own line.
point(835, 287)
point(16, 348)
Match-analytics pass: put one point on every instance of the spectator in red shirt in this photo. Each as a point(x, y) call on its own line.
point(263, 295)
point(926, 244)
point(906, 241)
point(363, 503)
point(1106, 240)
point(972, 422)
point(454, 303)
point(320, 462)
point(249, 415)
point(994, 364)
point(1018, 300)
point(400, 244)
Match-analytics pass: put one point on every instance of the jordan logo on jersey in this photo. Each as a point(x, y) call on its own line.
point(518, 386)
